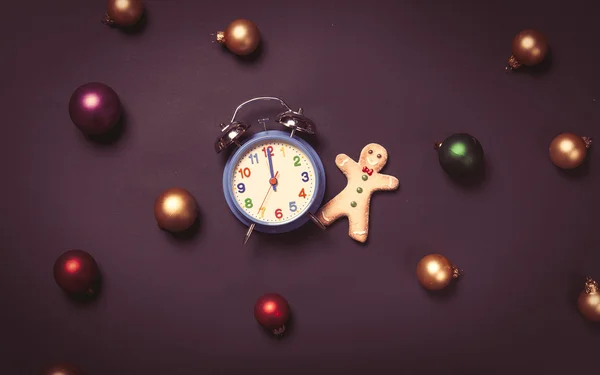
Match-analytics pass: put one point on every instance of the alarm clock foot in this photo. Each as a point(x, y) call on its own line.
point(249, 233)
point(316, 221)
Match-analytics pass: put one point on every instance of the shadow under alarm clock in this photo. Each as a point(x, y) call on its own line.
point(274, 182)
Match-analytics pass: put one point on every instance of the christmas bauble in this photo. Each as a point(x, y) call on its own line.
point(124, 13)
point(435, 272)
point(95, 108)
point(460, 155)
point(272, 312)
point(241, 37)
point(588, 302)
point(529, 47)
point(568, 150)
point(76, 272)
point(61, 369)
point(175, 210)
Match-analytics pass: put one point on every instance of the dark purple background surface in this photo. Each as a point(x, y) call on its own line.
point(404, 75)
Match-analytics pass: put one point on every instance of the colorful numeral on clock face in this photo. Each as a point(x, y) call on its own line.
point(274, 182)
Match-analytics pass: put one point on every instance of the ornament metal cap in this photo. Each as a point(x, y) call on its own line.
point(107, 20)
point(513, 64)
point(456, 273)
point(588, 141)
point(279, 331)
point(591, 287)
point(220, 37)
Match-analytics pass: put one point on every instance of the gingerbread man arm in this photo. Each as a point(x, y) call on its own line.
point(345, 163)
point(386, 182)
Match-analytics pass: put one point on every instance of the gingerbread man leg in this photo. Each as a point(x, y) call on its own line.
point(331, 211)
point(359, 224)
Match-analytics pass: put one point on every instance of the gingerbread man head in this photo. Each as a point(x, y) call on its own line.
point(373, 156)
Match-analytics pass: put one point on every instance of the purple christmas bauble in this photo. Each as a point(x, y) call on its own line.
point(95, 108)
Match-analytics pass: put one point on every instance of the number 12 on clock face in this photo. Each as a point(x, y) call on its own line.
point(273, 182)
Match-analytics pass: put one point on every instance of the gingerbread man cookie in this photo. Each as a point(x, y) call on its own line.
point(363, 180)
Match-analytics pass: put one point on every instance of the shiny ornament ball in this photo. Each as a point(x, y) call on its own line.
point(241, 37)
point(435, 272)
point(124, 13)
point(460, 155)
point(77, 273)
point(529, 47)
point(95, 108)
point(175, 210)
point(272, 312)
point(61, 369)
point(568, 150)
point(588, 302)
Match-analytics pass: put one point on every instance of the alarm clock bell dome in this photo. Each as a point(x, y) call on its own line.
point(297, 122)
point(230, 134)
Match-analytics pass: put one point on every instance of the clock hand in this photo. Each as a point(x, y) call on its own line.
point(268, 191)
point(273, 180)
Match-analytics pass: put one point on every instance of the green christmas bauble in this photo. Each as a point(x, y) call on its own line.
point(460, 155)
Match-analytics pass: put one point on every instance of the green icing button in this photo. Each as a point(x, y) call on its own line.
point(365, 177)
point(359, 190)
point(353, 204)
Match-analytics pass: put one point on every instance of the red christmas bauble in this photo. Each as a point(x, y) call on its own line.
point(61, 369)
point(76, 272)
point(272, 312)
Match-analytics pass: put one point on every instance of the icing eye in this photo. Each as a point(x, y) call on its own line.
point(379, 156)
point(370, 151)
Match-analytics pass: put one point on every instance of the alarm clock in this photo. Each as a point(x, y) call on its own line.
point(274, 181)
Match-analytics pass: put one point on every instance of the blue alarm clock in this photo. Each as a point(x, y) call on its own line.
point(274, 182)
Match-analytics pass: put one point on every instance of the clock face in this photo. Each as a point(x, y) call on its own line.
point(273, 182)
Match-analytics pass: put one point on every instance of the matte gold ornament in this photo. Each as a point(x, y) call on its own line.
point(529, 48)
point(589, 301)
point(175, 210)
point(241, 37)
point(435, 272)
point(568, 150)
